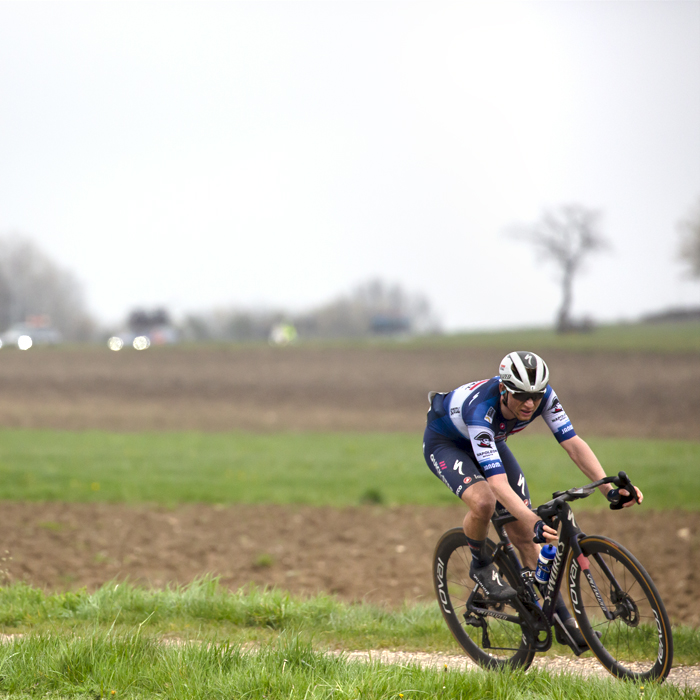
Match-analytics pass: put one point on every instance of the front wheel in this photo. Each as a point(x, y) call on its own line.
point(619, 611)
point(490, 633)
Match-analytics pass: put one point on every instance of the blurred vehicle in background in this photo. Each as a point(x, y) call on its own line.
point(144, 329)
point(35, 331)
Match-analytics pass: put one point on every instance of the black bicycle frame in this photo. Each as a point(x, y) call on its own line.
point(568, 540)
point(553, 513)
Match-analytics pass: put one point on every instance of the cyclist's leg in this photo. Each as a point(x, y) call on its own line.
point(462, 476)
point(519, 533)
point(521, 537)
point(456, 469)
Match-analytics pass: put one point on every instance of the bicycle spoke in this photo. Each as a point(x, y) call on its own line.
point(636, 643)
point(491, 641)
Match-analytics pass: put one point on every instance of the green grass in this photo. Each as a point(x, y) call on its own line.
point(633, 337)
point(665, 338)
point(205, 612)
point(337, 469)
point(135, 666)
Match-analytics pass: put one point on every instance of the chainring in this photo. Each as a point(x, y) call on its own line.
point(537, 631)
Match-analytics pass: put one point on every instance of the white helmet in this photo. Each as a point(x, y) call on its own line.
point(524, 372)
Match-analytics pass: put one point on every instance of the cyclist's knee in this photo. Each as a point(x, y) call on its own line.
point(480, 500)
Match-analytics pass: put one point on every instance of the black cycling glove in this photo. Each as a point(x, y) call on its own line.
point(617, 500)
point(539, 537)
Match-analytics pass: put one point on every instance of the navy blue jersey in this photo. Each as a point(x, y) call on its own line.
point(472, 418)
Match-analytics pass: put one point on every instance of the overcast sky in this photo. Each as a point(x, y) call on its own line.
point(201, 154)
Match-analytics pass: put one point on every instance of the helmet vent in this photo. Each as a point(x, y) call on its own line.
point(524, 371)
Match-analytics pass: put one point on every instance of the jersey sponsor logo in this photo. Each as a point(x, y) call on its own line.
point(490, 414)
point(483, 440)
point(459, 490)
point(556, 406)
point(473, 398)
point(492, 465)
point(568, 428)
point(458, 467)
point(521, 483)
point(438, 472)
point(434, 462)
point(454, 411)
point(467, 480)
point(438, 465)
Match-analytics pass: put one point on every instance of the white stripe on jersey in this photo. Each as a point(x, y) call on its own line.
point(459, 396)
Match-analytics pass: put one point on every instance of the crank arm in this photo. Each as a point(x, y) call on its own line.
point(494, 613)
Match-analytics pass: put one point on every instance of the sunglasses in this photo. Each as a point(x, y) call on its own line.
point(523, 396)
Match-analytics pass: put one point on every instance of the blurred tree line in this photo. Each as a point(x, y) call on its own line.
point(690, 241)
point(374, 308)
point(33, 288)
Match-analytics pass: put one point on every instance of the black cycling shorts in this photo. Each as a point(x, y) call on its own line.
point(458, 470)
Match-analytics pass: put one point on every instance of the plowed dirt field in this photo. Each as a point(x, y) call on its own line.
point(363, 553)
point(370, 553)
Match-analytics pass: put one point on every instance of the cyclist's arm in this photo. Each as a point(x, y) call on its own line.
point(584, 458)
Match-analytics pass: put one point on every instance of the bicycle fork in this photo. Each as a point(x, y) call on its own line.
point(625, 606)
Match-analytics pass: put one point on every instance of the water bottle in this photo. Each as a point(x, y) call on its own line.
point(544, 563)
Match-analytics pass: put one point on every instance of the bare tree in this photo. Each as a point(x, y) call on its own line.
point(690, 240)
point(565, 236)
point(32, 285)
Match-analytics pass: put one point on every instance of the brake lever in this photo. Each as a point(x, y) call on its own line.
point(622, 481)
point(628, 486)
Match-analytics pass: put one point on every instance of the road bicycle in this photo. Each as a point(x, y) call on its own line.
point(615, 602)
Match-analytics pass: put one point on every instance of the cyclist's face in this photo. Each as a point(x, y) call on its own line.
point(522, 408)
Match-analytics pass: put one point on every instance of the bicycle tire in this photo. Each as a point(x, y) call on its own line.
point(638, 644)
point(453, 587)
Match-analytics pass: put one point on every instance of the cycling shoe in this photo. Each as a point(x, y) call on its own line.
point(491, 582)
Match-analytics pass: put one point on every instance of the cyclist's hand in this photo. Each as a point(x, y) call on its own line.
point(621, 498)
point(544, 534)
point(640, 497)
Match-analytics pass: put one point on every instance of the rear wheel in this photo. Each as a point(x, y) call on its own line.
point(634, 639)
point(490, 633)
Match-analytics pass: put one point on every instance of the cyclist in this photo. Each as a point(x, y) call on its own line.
point(465, 446)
